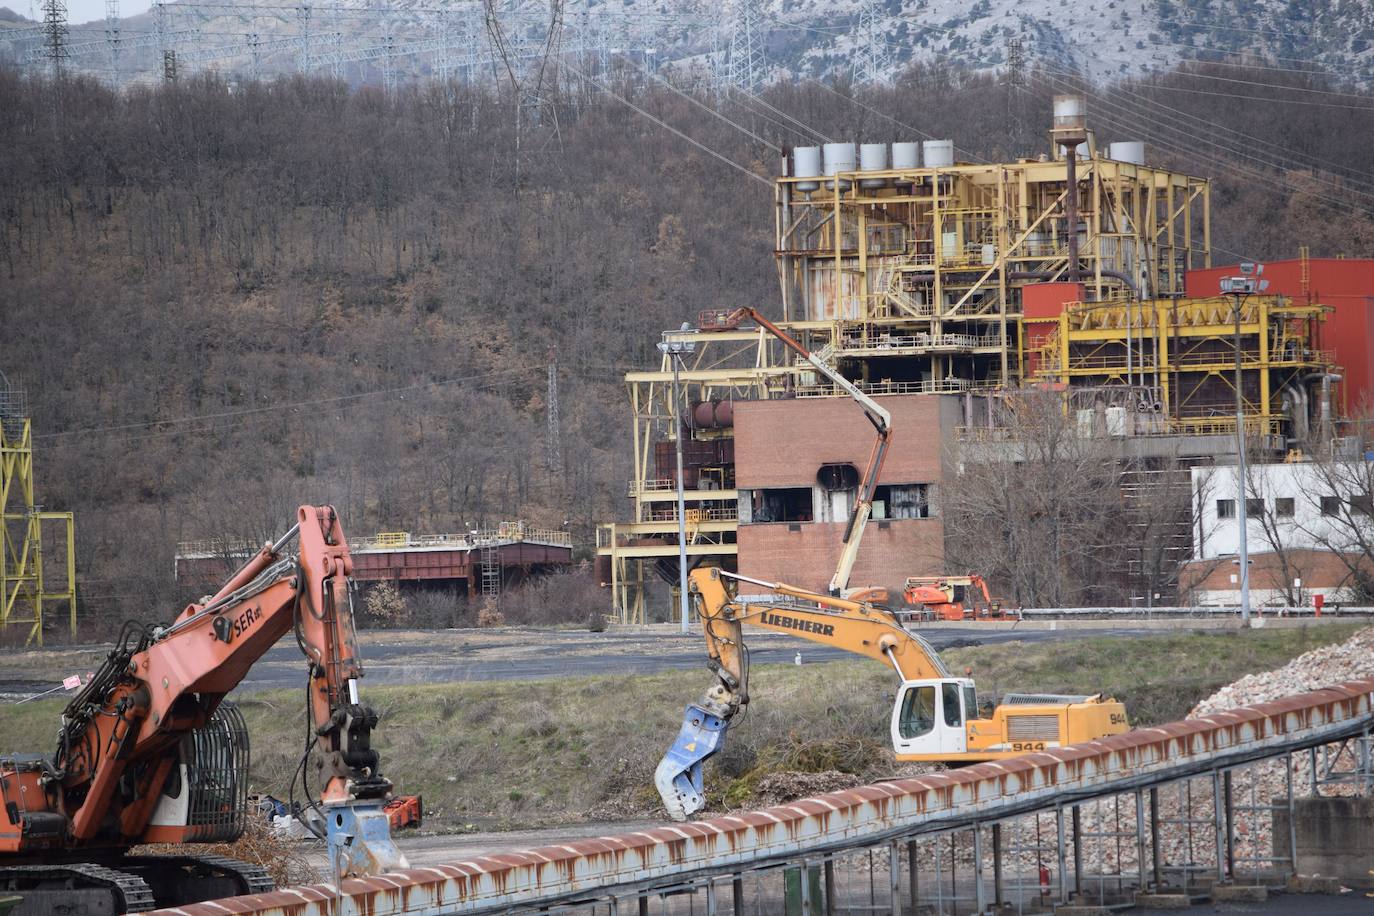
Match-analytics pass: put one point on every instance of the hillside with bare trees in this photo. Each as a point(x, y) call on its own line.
point(224, 301)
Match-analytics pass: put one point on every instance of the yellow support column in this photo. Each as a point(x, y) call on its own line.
point(24, 589)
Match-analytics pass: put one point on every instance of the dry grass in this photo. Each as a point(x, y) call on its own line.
point(283, 859)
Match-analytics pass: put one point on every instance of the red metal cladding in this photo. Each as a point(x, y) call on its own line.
point(846, 819)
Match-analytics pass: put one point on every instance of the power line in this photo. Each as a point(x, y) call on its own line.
point(670, 128)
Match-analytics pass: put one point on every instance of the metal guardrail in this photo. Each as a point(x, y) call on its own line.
point(672, 857)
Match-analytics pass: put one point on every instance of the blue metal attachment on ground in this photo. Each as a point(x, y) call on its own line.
point(679, 777)
point(360, 843)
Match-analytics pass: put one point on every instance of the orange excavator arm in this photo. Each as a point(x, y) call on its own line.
point(120, 734)
point(854, 626)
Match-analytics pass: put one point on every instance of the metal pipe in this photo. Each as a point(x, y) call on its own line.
point(1077, 853)
point(911, 866)
point(997, 866)
point(681, 502)
point(1217, 824)
point(1230, 826)
point(1063, 858)
point(894, 878)
point(1071, 208)
point(1155, 864)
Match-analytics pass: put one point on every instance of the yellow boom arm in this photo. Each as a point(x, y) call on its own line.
point(850, 625)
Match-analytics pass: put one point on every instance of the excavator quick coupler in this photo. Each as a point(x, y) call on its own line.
point(359, 835)
point(679, 777)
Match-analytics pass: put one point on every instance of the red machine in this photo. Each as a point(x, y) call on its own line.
point(149, 752)
point(954, 598)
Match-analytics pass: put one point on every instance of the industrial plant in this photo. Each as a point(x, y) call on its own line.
point(943, 288)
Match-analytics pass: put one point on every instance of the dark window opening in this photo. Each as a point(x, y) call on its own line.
point(1254, 508)
point(1226, 508)
point(1331, 505)
point(789, 504)
point(911, 500)
point(1362, 505)
point(1283, 507)
point(838, 477)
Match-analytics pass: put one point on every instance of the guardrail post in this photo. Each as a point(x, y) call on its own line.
point(612, 907)
point(710, 897)
point(1140, 838)
point(978, 893)
point(1217, 815)
point(1157, 876)
point(1230, 825)
point(894, 878)
point(1063, 855)
point(1077, 853)
point(911, 874)
point(997, 866)
point(1292, 813)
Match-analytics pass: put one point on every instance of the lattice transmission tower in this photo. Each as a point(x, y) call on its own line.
point(112, 36)
point(1014, 82)
point(554, 458)
point(872, 62)
point(746, 64)
point(55, 35)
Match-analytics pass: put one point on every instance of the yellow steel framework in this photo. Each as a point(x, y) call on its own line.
point(723, 366)
point(26, 583)
point(1178, 358)
point(929, 263)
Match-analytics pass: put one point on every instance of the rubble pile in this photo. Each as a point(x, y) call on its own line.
point(1335, 664)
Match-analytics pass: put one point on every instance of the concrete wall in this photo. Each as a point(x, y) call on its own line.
point(1335, 838)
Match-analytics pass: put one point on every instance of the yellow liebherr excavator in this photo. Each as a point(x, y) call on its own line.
point(935, 717)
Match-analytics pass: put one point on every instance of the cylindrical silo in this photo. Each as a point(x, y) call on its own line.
point(1127, 151)
point(938, 153)
point(806, 163)
point(906, 155)
point(872, 158)
point(838, 157)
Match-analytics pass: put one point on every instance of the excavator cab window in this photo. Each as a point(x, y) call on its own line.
point(949, 699)
point(970, 702)
point(918, 712)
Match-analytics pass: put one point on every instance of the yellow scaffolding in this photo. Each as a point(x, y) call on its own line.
point(928, 264)
point(26, 587)
point(1179, 357)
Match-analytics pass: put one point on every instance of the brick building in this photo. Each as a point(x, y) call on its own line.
point(797, 466)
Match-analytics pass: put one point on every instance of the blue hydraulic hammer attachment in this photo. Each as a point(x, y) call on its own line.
point(679, 776)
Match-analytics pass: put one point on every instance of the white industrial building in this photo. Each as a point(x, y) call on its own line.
point(1306, 526)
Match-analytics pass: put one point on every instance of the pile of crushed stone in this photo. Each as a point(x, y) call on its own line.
point(1324, 667)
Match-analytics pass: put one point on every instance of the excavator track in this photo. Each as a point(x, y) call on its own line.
point(179, 879)
point(124, 892)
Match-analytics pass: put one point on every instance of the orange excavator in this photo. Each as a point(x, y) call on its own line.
point(954, 598)
point(149, 751)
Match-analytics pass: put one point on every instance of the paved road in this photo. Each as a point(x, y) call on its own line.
point(511, 653)
point(401, 657)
